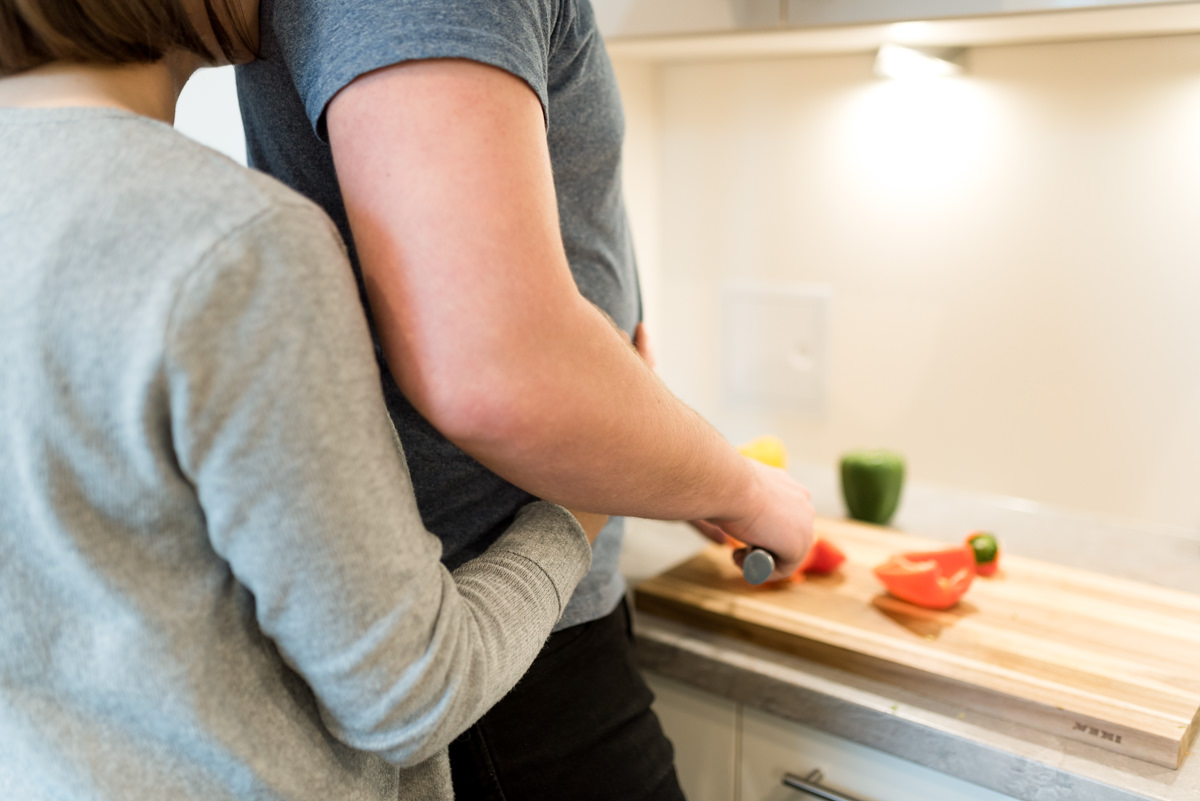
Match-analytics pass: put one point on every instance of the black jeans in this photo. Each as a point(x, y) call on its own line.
point(577, 727)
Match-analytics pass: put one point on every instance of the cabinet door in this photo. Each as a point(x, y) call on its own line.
point(703, 729)
point(772, 747)
point(857, 12)
point(619, 18)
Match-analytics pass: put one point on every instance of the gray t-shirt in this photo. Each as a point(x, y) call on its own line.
point(313, 48)
point(214, 581)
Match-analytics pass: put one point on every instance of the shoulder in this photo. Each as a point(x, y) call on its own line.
point(195, 194)
point(233, 193)
point(262, 259)
point(196, 219)
point(326, 44)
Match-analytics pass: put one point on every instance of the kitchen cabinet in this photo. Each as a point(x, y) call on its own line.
point(725, 751)
point(771, 747)
point(704, 730)
point(623, 18)
point(642, 18)
point(672, 30)
point(858, 12)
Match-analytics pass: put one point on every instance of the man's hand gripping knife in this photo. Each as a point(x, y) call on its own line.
point(782, 526)
point(764, 455)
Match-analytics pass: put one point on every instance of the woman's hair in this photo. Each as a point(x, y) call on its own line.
point(37, 32)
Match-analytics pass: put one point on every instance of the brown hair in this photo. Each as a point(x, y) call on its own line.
point(37, 32)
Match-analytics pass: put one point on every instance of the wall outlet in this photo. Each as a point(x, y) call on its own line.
point(775, 350)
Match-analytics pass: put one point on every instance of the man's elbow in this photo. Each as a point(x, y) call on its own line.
point(478, 411)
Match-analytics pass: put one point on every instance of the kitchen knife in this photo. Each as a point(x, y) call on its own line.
point(758, 566)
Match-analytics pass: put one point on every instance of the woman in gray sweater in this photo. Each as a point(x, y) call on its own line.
point(214, 581)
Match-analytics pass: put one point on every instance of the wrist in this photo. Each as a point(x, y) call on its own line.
point(747, 495)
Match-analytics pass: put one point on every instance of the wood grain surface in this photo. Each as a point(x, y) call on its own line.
point(1086, 656)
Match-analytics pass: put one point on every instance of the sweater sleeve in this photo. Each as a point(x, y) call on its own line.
point(277, 418)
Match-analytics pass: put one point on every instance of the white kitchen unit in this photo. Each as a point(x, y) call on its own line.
point(727, 752)
point(618, 18)
point(772, 747)
point(855, 12)
point(704, 730)
point(659, 31)
point(621, 19)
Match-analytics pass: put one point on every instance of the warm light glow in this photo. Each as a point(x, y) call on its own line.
point(912, 32)
point(918, 145)
point(897, 61)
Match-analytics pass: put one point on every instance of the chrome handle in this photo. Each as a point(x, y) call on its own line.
point(811, 784)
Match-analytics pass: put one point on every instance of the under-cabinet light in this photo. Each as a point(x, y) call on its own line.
point(899, 61)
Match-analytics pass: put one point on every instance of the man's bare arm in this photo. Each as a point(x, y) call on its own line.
point(447, 182)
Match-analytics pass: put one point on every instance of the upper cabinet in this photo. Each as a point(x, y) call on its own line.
point(621, 18)
point(685, 29)
point(857, 12)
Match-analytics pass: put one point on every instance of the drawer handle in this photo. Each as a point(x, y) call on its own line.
point(811, 784)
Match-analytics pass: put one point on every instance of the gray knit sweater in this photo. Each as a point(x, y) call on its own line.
point(214, 581)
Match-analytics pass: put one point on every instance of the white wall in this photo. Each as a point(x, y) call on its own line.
point(208, 112)
point(1013, 256)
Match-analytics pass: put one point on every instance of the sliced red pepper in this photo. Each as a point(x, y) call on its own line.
point(987, 552)
point(932, 579)
point(822, 558)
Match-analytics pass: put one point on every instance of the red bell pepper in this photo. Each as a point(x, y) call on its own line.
point(932, 579)
point(823, 557)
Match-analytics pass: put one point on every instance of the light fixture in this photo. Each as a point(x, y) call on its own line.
point(900, 61)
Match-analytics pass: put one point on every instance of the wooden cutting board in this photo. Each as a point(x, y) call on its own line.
point(1085, 656)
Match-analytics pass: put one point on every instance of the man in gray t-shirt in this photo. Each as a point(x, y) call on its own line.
point(469, 150)
point(308, 57)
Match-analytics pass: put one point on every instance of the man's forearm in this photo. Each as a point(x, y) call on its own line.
point(587, 424)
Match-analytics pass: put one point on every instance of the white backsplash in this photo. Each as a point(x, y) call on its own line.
point(1013, 256)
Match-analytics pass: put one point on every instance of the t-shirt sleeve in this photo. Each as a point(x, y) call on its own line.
point(277, 418)
point(326, 44)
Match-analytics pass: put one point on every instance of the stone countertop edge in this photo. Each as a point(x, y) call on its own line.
point(1016, 760)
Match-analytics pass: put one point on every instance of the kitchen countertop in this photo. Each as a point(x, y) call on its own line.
point(1021, 762)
